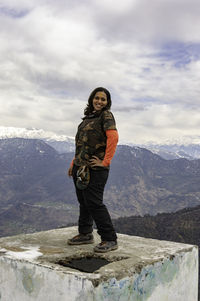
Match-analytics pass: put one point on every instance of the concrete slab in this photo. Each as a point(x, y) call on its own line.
point(140, 270)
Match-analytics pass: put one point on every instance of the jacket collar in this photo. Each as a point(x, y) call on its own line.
point(92, 115)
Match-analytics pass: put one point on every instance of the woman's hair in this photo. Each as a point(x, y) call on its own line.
point(89, 108)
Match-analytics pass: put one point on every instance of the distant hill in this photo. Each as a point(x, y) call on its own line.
point(34, 182)
point(31, 171)
point(181, 226)
point(26, 218)
point(142, 182)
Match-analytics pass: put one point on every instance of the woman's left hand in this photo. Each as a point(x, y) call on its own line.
point(95, 161)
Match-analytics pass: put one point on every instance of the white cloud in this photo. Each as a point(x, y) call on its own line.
point(53, 53)
point(158, 123)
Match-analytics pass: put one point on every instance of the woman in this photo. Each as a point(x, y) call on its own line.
point(96, 141)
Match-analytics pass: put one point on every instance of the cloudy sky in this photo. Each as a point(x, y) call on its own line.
point(147, 53)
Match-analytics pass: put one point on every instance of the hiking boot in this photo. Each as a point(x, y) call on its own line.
point(81, 239)
point(106, 246)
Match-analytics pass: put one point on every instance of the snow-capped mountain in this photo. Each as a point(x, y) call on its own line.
point(185, 147)
point(61, 143)
point(175, 151)
point(169, 155)
point(32, 133)
point(172, 151)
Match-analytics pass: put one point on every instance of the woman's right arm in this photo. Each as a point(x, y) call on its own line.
point(112, 140)
point(70, 168)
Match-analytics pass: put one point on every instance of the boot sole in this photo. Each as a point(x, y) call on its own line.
point(104, 251)
point(80, 242)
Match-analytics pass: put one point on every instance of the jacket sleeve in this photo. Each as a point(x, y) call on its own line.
point(112, 139)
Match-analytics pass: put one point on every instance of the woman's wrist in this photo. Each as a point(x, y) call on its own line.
point(105, 163)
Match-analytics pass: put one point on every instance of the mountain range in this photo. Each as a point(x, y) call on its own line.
point(144, 191)
point(185, 147)
point(37, 194)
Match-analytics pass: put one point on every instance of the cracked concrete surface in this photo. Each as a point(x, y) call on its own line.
point(48, 247)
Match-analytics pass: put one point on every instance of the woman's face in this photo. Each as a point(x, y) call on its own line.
point(99, 101)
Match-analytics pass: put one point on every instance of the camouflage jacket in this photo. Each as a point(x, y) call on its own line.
point(91, 137)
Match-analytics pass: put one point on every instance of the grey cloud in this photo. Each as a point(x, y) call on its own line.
point(13, 13)
point(129, 108)
point(17, 111)
point(63, 88)
point(146, 22)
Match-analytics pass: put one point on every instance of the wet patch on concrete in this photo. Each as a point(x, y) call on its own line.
point(87, 264)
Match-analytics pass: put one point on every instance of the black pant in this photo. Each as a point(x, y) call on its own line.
point(92, 207)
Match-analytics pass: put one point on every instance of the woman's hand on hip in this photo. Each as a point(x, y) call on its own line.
point(95, 161)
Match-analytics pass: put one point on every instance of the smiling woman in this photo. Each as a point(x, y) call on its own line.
point(96, 141)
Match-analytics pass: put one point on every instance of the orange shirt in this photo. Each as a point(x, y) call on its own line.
point(111, 144)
